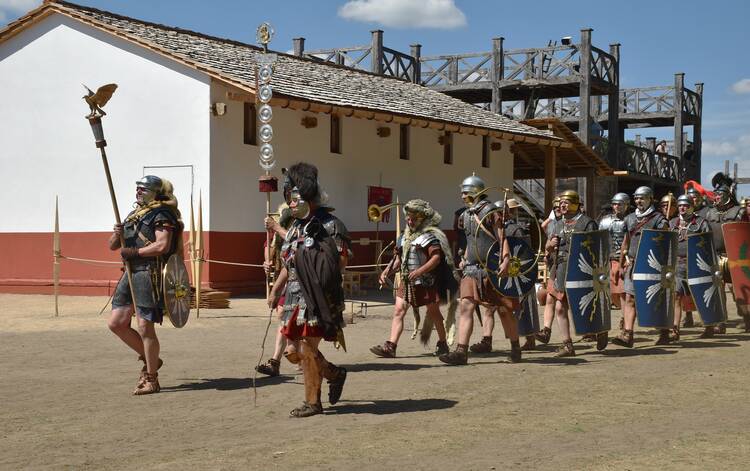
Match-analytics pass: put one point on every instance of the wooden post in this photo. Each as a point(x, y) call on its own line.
point(550, 175)
point(199, 257)
point(697, 132)
point(584, 122)
point(679, 86)
point(615, 136)
point(591, 210)
point(416, 54)
point(498, 66)
point(376, 52)
point(453, 71)
point(299, 46)
point(191, 243)
point(56, 263)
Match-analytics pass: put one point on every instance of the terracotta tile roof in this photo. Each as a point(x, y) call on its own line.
point(294, 77)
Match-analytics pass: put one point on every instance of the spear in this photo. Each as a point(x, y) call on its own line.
point(56, 253)
point(95, 120)
point(199, 256)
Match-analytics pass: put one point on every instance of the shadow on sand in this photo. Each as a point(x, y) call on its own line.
point(385, 407)
point(359, 367)
point(227, 384)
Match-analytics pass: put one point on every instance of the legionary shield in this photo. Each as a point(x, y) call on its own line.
point(654, 278)
point(528, 316)
point(176, 289)
point(737, 244)
point(522, 270)
point(587, 282)
point(704, 278)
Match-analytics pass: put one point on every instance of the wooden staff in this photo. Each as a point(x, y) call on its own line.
point(56, 263)
point(199, 256)
point(191, 242)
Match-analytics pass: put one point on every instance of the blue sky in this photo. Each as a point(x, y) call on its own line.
point(705, 40)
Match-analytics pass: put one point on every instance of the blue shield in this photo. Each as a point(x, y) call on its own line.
point(528, 316)
point(587, 282)
point(704, 278)
point(522, 271)
point(654, 278)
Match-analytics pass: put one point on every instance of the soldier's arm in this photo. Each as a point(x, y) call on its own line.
point(114, 239)
point(160, 246)
point(435, 254)
point(277, 288)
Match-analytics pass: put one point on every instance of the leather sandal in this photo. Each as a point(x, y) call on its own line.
point(565, 350)
point(336, 386)
point(459, 356)
point(688, 322)
point(515, 352)
point(483, 346)
point(674, 336)
point(664, 337)
point(387, 350)
point(708, 332)
point(721, 329)
point(442, 348)
point(142, 379)
point(150, 385)
point(602, 339)
point(544, 335)
point(530, 344)
point(269, 368)
point(625, 339)
point(306, 410)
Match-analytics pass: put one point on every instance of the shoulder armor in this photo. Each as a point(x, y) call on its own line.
point(424, 240)
point(606, 222)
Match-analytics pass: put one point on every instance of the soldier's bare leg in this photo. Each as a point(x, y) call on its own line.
point(397, 324)
point(549, 315)
point(561, 314)
point(433, 310)
point(465, 328)
point(119, 324)
point(150, 344)
point(488, 321)
point(628, 312)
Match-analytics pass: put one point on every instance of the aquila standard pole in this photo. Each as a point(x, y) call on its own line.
point(96, 126)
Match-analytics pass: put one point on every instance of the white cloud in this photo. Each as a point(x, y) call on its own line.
point(742, 86)
point(719, 148)
point(440, 14)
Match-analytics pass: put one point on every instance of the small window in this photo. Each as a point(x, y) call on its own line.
point(249, 125)
point(486, 151)
point(335, 134)
point(403, 137)
point(448, 148)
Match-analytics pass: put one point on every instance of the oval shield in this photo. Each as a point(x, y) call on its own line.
point(587, 282)
point(704, 279)
point(737, 244)
point(176, 289)
point(654, 278)
point(528, 316)
point(522, 270)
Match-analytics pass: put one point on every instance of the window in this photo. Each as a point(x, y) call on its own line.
point(486, 151)
point(335, 134)
point(249, 125)
point(448, 148)
point(403, 139)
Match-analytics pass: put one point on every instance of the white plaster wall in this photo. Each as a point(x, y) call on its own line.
point(236, 204)
point(158, 116)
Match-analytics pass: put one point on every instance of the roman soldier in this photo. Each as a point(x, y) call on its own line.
point(512, 228)
point(544, 335)
point(645, 216)
point(558, 246)
point(314, 252)
point(668, 204)
point(425, 271)
point(725, 209)
point(484, 227)
point(152, 233)
point(685, 223)
point(614, 223)
point(699, 201)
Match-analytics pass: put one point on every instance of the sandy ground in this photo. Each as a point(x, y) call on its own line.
point(67, 403)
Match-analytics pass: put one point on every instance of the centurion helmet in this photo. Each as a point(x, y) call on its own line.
point(669, 199)
point(644, 191)
point(150, 182)
point(684, 199)
point(472, 186)
point(573, 199)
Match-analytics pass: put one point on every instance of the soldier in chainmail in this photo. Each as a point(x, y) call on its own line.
point(425, 272)
point(645, 216)
point(545, 334)
point(725, 209)
point(558, 245)
point(614, 223)
point(483, 227)
point(152, 233)
point(685, 223)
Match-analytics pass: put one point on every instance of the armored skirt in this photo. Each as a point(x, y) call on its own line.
point(296, 320)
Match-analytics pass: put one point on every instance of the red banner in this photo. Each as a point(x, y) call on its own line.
point(381, 196)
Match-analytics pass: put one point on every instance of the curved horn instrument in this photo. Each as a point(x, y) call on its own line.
point(375, 212)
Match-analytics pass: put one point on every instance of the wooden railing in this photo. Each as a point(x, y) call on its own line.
point(645, 162)
point(382, 60)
